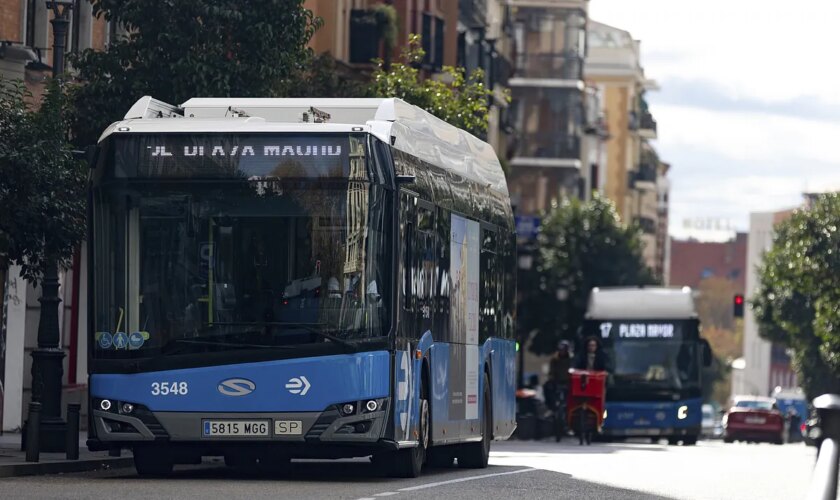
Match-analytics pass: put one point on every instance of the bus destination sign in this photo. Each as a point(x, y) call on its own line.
point(638, 330)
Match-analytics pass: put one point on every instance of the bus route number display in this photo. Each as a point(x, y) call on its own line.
point(639, 330)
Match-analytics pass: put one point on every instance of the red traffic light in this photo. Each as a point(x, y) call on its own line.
point(739, 300)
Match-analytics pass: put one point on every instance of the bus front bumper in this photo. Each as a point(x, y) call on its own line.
point(116, 429)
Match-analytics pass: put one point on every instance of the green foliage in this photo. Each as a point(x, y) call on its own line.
point(580, 246)
point(454, 97)
point(321, 76)
point(191, 48)
point(42, 185)
point(798, 300)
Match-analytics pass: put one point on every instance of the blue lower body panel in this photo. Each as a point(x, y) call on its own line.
point(654, 418)
point(285, 402)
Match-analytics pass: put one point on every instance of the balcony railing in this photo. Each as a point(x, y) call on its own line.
point(548, 145)
point(646, 122)
point(646, 224)
point(646, 173)
point(549, 66)
point(502, 70)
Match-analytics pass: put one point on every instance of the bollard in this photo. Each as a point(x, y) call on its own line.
point(33, 428)
point(824, 480)
point(72, 442)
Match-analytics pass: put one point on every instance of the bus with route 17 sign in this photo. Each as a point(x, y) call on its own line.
point(651, 337)
point(299, 278)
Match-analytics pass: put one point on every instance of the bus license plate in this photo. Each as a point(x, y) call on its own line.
point(288, 427)
point(234, 428)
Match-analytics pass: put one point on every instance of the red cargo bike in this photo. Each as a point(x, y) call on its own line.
point(585, 407)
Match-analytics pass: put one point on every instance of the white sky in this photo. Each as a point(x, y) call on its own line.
point(749, 107)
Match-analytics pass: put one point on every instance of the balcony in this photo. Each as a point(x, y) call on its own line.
point(645, 173)
point(502, 70)
point(646, 224)
point(549, 67)
point(647, 126)
point(473, 13)
point(547, 146)
point(551, 4)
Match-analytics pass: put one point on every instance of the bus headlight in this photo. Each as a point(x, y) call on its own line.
point(105, 405)
point(682, 413)
point(348, 409)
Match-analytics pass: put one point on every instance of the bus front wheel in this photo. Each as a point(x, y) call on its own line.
point(152, 463)
point(408, 463)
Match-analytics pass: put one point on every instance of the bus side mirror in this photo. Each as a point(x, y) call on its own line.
point(91, 154)
point(707, 352)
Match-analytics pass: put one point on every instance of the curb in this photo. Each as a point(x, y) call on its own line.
point(60, 467)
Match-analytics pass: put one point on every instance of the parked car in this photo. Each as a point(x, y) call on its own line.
point(754, 419)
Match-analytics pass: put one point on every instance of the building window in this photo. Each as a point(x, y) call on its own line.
point(29, 37)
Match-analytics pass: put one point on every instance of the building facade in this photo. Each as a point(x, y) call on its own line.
point(632, 175)
point(26, 42)
point(548, 103)
point(693, 261)
point(764, 365)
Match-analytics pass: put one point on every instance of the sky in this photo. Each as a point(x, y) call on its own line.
point(748, 110)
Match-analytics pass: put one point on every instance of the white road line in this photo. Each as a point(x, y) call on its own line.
point(386, 494)
point(461, 480)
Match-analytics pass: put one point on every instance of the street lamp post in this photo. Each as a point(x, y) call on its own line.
point(47, 359)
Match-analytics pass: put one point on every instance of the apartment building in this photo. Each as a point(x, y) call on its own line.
point(548, 102)
point(634, 177)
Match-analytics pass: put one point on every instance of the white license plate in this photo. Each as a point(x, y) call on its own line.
point(755, 420)
point(235, 428)
point(288, 427)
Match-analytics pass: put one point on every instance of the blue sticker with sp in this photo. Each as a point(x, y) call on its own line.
point(136, 340)
point(120, 340)
point(106, 340)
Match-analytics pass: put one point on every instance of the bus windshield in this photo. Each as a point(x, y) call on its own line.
point(657, 354)
point(240, 262)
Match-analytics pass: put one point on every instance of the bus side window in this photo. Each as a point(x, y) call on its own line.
point(425, 261)
point(407, 210)
point(488, 285)
point(443, 281)
point(509, 287)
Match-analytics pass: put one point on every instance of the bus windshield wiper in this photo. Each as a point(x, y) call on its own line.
point(315, 328)
point(170, 347)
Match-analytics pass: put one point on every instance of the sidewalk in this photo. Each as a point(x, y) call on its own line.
point(13, 461)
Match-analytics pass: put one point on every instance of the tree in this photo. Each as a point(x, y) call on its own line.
point(178, 50)
point(724, 333)
point(580, 246)
point(42, 185)
point(798, 300)
point(455, 97)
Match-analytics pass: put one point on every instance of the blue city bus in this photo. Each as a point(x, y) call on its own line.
point(655, 356)
point(299, 278)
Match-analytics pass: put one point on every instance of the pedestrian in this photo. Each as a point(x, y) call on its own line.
point(592, 357)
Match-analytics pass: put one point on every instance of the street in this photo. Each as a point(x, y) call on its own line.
point(519, 469)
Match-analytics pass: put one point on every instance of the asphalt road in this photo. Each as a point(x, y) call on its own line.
point(518, 470)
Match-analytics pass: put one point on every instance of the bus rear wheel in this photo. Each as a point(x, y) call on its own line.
point(152, 463)
point(477, 455)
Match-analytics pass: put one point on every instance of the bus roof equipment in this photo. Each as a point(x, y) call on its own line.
point(641, 303)
point(406, 127)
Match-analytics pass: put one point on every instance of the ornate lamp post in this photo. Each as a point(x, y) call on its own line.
point(47, 359)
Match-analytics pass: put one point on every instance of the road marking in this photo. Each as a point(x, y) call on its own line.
point(386, 494)
point(463, 479)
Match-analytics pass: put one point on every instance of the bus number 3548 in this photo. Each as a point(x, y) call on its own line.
point(166, 388)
